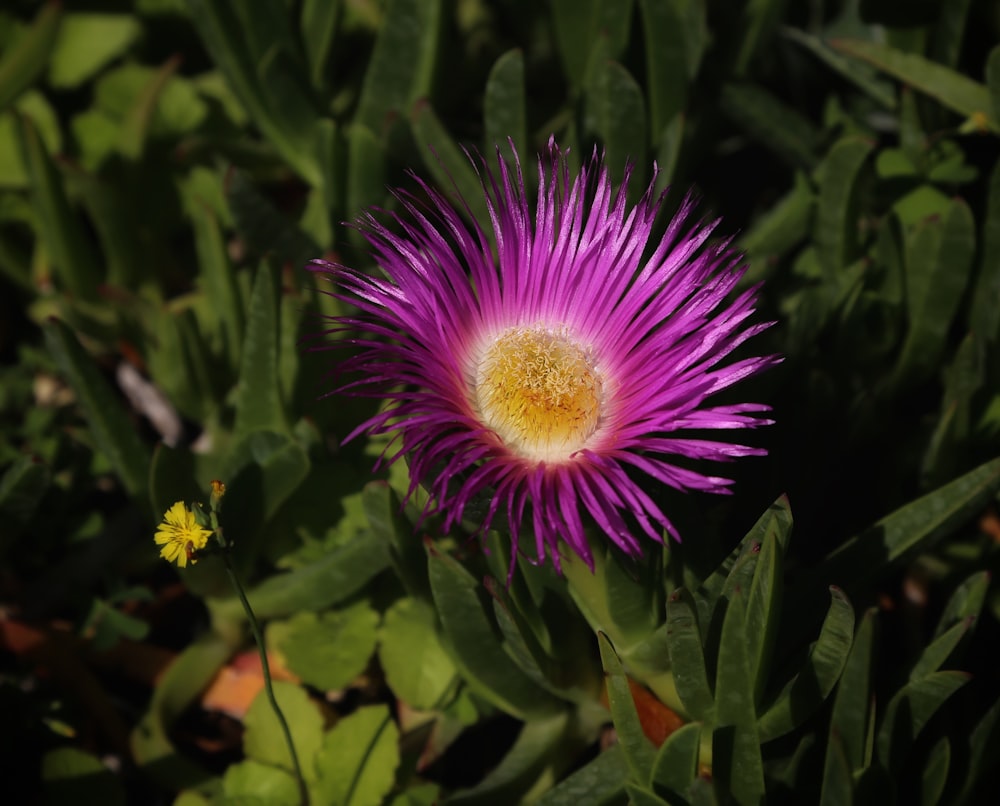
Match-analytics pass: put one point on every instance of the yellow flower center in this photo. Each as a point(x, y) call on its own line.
point(538, 390)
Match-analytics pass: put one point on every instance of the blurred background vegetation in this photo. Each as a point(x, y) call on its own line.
point(167, 168)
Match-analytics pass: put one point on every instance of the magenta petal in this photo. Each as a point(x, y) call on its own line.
point(659, 318)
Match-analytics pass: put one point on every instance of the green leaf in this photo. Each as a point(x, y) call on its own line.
point(939, 262)
point(366, 174)
point(862, 76)
point(675, 34)
point(475, 647)
point(851, 718)
point(184, 680)
point(258, 399)
point(764, 603)
point(264, 739)
point(984, 313)
point(916, 525)
point(22, 487)
point(687, 658)
point(72, 253)
point(772, 123)
point(639, 796)
point(935, 773)
point(676, 764)
point(383, 510)
point(582, 27)
point(736, 759)
point(777, 231)
point(837, 211)
point(838, 779)
point(109, 423)
point(760, 18)
point(333, 578)
point(24, 61)
point(504, 114)
point(618, 111)
point(527, 764)
point(416, 665)
point(402, 64)
point(639, 753)
point(600, 782)
point(949, 88)
point(940, 649)
point(910, 709)
point(267, 231)
point(253, 781)
point(447, 163)
point(357, 763)
point(966, 602)
point(992, 81)
point(88, 42)
point(138, 123)
point(319, 30)
point(807, 691)
point(70, 775)
point(330, 650)
point(981, 751)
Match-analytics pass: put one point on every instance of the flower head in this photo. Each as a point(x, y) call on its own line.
point(180, 536)
point(546, 373)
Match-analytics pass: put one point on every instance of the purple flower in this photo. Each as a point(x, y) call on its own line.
point(544, 374)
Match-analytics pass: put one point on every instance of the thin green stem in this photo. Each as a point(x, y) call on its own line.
point(258, 637)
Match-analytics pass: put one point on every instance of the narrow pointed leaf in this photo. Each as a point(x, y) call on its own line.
point(910, 709)
point(73, 256)
point(600, 782)
point(838, 204)
point(258, 399)
point(949, 88)
point(475, 647)
point(966, 602)
point(940, 649)
point(850, 720)
point(675, 36)
point(29, 56)
point(687, 656)
point(639, 754)
point(676, 763)
point(736, 760)
point(110, 425)
point(812, 685)
point(504, 114)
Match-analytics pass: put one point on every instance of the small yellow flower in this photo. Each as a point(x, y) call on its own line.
point(180, 536)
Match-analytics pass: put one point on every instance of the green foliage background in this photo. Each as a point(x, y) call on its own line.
point(167, 167)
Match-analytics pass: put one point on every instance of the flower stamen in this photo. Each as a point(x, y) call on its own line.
point(538, 389)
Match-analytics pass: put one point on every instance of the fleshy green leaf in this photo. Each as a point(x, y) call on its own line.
point(910, 709)
point(504, 114)
point(935, 773)
point(966, 602)
point(675, 36)
point(109, 423)
point(526, 764)
point(772, 123)
point(402, 63)
point(639, 753)
point(676, 763)
point(618, 111)
point(477, 653)
point(258, 399)
point(949, 88)
point(850, 721)
point(600, 782)
point(812, 685)
point(736, 759)
point(23, 62)
point(687, 658)
point(837, 208)
point(72, 253)
point(358, 760)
